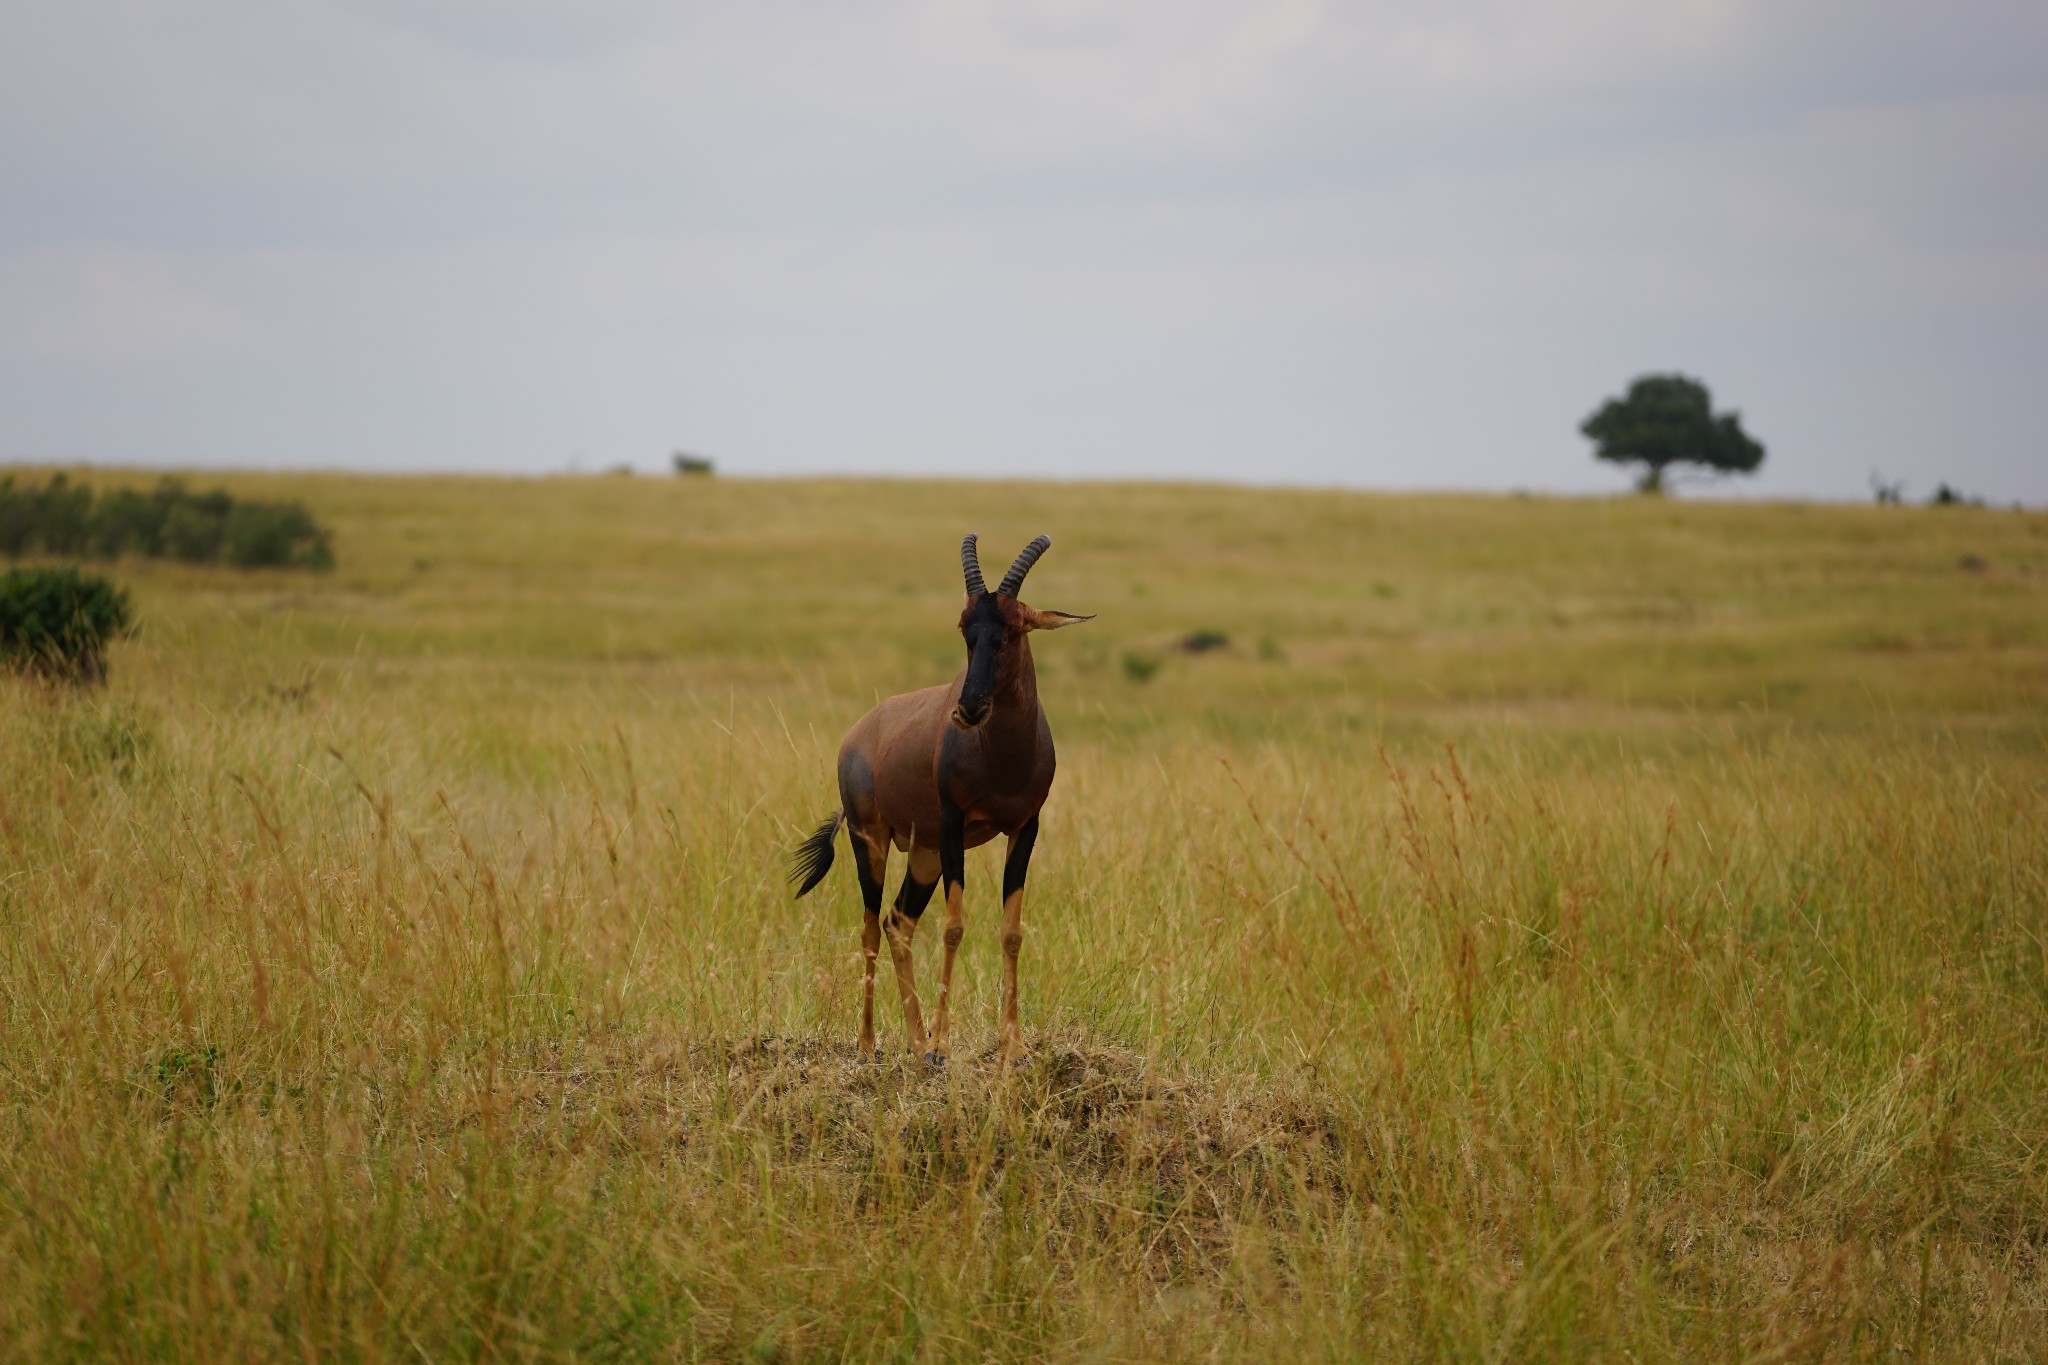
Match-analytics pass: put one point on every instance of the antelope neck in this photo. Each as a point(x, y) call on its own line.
point(1012, 726)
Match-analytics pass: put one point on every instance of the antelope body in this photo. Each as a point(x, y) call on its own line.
point(934, 773)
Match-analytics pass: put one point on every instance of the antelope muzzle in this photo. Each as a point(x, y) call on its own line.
point(970, 715)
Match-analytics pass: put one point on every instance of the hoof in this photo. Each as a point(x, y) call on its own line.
point(935, 1058)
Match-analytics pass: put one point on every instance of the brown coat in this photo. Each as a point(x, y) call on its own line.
point(936, 772)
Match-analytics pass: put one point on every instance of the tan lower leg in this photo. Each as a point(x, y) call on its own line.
point(870, 944)
point(955, 928)
point(1012, 1045)
point(901, 930)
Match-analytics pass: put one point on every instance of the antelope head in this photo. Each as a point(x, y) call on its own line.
point(994, 625)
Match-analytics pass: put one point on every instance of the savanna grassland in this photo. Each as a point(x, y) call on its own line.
point(1594, 929)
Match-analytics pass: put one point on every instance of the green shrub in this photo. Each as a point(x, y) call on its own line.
point(274, 533)
point(54, 518)
point(17, 517)
point(171, 522)
point(126, 521)
point(57, 622)
point(1139, 667)
point(63, 520)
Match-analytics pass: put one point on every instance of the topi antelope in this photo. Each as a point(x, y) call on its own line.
point(935, 773)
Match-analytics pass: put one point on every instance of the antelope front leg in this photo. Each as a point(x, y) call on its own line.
point(952, 869)
point(1016, 862)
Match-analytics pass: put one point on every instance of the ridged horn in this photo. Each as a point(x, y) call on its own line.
point(1014, 579)
point(970, 564)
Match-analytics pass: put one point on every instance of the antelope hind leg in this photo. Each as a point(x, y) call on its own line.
point(869, 865)
point(912, 897)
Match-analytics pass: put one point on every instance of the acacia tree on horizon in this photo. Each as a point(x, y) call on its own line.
point(1668, 419)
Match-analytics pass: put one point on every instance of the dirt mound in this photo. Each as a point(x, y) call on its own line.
point(1100, 1110)
point(1082, 1140)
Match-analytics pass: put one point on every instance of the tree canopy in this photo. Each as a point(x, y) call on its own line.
point(1668, 419)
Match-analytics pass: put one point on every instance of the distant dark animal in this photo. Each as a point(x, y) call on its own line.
point(935, 773)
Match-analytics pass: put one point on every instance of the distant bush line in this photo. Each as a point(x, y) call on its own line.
point(170, 522)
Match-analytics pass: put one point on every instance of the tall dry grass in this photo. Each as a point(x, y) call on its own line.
point(1548, 931)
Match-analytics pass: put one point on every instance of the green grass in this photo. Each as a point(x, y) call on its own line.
point(1547, 930)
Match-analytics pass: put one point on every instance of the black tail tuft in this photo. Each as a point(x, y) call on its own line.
point(813, 857)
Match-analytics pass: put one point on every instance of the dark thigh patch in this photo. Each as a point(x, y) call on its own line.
point(857, 787)
point(913, 896)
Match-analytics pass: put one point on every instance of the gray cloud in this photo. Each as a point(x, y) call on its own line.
point(1394, 245)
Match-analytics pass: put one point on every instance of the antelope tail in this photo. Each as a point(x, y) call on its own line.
point(812, 858)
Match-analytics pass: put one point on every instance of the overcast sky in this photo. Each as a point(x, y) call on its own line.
point(1380, 245)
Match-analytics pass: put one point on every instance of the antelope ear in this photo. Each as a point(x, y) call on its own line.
point(1034, 619)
